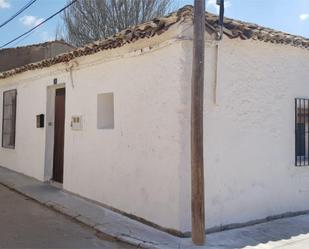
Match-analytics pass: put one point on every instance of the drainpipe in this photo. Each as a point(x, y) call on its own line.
point(197, 102)
point(219, 37)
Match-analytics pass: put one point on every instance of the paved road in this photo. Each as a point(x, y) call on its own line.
point(27, 224)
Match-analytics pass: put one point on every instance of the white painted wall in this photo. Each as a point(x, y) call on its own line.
point(28, 156)
point(249, 133)
point(138, 165)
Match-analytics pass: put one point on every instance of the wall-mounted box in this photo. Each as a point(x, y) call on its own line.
point(77, 123)
point(40, 121)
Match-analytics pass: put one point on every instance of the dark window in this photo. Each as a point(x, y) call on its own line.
point(301, 132)
point(9, 119)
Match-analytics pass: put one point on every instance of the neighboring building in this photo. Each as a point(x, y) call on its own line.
point(16, 57)
point(115, 122)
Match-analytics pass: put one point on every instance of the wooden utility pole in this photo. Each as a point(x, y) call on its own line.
point(197, 102)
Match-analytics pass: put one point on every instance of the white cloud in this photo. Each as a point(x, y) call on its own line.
point(212, 4)
point(304, 17)
point(4, 4)
point(30, 20)
point(46, 36)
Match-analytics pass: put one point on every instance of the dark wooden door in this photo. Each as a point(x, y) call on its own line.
point(59, 135)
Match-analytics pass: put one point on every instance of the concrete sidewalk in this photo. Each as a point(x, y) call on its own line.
point(89, 213)
point(283, 233)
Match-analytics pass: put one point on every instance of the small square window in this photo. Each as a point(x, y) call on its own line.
point(105, 111)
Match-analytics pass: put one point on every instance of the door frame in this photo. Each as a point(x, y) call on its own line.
point(50, 130)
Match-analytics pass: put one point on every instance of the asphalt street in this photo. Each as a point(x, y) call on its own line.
point(25, 223)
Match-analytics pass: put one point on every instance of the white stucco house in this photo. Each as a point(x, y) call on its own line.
point(111, 122)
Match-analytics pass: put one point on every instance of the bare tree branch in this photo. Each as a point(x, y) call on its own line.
point(89, 20)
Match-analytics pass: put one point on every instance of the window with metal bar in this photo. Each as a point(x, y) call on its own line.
point(9, 119)
point(301, 132)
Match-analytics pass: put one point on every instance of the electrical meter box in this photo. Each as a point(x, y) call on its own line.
point(77, 123)
point(40, 121)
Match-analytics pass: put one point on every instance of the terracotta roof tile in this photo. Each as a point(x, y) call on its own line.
point(232, 29)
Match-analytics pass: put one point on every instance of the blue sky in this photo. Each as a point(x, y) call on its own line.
point(286, 15)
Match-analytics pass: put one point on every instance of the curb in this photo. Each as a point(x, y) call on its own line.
point(125, 238)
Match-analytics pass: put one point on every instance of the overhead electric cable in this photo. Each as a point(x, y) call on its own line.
point(18, 13)
point(41, 23)
point(22, 39)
